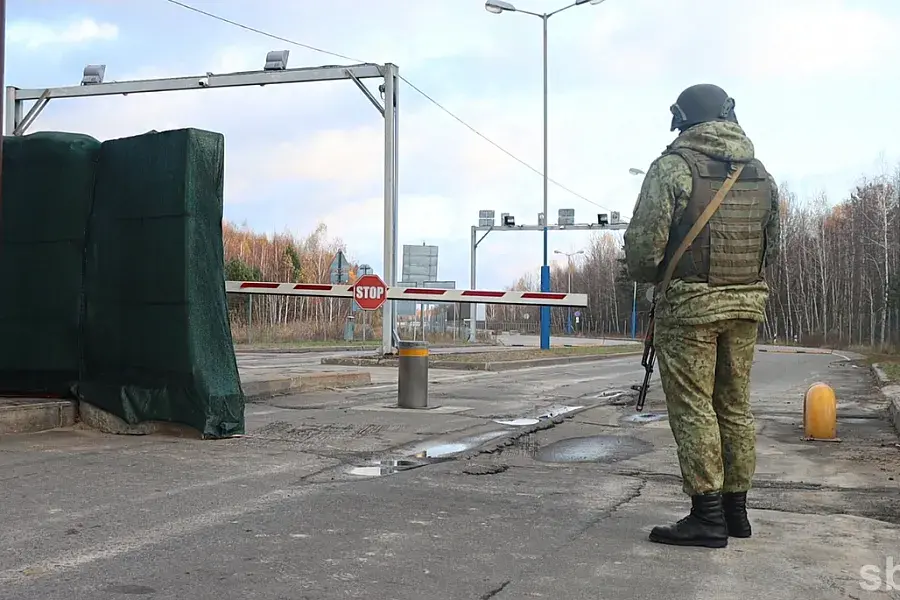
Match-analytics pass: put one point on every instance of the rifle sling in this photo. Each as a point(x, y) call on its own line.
point(702, 220)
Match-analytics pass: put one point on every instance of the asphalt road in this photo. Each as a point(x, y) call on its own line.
point(560, 513)
point(556, 341)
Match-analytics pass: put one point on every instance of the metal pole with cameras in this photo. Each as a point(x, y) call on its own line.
point(566, 222)
point(498, 7)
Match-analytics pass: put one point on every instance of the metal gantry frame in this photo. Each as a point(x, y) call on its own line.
point(475, 241)
point(17, 122)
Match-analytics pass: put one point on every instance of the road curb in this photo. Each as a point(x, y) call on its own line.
point(798, 351)
point(494, 366)
point(891, 393)
point(312, 350)
point(312, 382)
point(101, 420)
point(33, 415)
point(309, 350)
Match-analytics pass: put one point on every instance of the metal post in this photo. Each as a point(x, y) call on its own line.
point(250, 320)
point(387, 312)
point(412, 374)
point(13, 112)
point(473, 308)
point(569, 291)
point(545, 269)
point(634, 312)
point(393, 71)
point(422, 320)
point(2, 77)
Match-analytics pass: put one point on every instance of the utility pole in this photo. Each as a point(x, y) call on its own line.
point(498, 7)
point(569, 256)
point(634, 312)
point(634, 171)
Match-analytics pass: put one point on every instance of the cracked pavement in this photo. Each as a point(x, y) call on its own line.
point(558, 510)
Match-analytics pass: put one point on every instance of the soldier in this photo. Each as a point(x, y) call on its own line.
point(706, 316)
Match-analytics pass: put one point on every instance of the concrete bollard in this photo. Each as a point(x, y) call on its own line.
point(412, 375)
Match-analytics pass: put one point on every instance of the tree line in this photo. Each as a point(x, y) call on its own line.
point(284, 257)
point(835, 283)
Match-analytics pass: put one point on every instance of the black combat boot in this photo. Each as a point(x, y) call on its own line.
point(735, 508)
point(704, 526)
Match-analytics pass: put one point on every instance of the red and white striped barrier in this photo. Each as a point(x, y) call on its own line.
point(423, 295)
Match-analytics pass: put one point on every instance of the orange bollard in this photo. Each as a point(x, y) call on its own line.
point(820, 413)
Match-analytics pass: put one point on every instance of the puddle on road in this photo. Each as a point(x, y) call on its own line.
point(449, 448)
point(595, 448)
point(558, 411)
point(645, 418)
point(555, 411)
point(442, 450)
point(382, 467)
point(519, 422)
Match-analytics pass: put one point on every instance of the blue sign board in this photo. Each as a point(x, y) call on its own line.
point(340, 269)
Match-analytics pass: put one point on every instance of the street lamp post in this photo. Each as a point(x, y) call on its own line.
point(634, 171)
point(497, 7)
point(569, 256)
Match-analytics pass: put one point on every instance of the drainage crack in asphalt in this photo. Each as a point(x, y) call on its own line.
point(632, 495)
point(493, 592)
point(491, 445)
point(594, 424)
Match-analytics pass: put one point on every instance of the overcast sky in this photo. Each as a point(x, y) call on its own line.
point(812, 79)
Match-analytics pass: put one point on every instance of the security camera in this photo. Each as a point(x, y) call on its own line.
point(203, 82)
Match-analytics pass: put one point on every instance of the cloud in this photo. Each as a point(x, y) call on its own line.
point(35, 34)
point(797, 40)
point(818, 40)
point(299, 154)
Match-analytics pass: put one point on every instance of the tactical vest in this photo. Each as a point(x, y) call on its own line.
point(731, 247)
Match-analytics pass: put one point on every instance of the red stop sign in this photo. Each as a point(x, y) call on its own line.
point(370, 292)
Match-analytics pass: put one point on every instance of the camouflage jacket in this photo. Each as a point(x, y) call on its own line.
point(663, 199)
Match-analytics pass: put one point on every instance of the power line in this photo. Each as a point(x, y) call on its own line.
point(407, 81)
point(260, 31)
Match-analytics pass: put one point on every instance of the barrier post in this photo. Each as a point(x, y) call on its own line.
point(820, 414)
point(412, 374)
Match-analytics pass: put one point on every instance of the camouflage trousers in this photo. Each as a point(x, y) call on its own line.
point(705, 373)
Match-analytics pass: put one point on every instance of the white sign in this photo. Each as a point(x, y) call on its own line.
point(369, 293)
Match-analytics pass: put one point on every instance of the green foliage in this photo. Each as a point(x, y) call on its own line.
point(238, 270)
point(293, 258)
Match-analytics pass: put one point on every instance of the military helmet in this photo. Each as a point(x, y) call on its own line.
point(702, 103)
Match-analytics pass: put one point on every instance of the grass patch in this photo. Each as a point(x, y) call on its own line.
point(889, 363)
point(530, 354)
point(891, 369)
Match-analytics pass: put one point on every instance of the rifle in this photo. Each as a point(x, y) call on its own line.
point(647, 362)
point(649, 351)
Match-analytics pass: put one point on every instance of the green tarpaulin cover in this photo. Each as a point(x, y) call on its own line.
point(111, 262)
point(48, 183)
point(157, 340)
